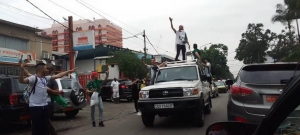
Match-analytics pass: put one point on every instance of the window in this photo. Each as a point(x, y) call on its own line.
point(5, 85)
point(13, 43)
point(219, 83)
point(177, 73)
point(66, 84)
point(20, 85)
point(291, 124)
point(126, 82)
point(268, 74)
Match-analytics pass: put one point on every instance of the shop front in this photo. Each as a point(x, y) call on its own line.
point(9, 59)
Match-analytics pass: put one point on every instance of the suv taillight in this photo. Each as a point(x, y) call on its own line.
point(61, 92)
point(124, 86)
point(13, 99)
point(240, 91)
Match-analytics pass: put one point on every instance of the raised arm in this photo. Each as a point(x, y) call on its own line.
point(171, 21)
point(163, 64)
point(62, 74)
point(107, 74)
point(21, 75)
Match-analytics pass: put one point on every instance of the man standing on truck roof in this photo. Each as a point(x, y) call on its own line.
point(95, 85)
point(38, 105)
point(180, 41)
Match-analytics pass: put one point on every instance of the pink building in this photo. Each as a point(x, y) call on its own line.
point(105, 33)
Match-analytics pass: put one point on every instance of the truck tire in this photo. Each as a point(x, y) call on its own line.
point(199, 116)
point(78, 99)
point(208, 107)
point(148, 119)
point(72, 113)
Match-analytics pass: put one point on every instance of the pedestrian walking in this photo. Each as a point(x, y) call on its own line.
point(94, 85)
point(136, 88)
point(180, 41)
point(115, 87)
point(38, 104)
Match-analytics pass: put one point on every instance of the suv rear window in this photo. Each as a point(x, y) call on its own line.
point(66, 84)
point(269, 74)
point(126, 82)
point(21, 85)
point(5, 84)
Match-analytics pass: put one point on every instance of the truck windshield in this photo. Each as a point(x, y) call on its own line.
point(188, 73)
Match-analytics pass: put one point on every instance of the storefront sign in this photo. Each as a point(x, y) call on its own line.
point(84, 40)
point(13, 56)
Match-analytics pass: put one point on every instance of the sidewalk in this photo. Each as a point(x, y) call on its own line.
point(111, 111)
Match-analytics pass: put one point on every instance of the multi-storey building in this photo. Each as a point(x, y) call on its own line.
point(105, 33)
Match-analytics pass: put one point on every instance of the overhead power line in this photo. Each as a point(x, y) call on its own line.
point(46, 14)
point(23, 11)
point(152, 45)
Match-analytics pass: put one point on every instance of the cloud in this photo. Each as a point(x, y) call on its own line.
point(216, 21)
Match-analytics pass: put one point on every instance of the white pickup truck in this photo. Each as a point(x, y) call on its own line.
point(179, 88)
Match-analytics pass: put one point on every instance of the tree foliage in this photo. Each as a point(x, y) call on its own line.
point(254, 44)
point(217, 54)
point(128, 63)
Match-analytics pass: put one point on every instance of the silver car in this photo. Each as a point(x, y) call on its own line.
point(75, 101)
point(256, 88)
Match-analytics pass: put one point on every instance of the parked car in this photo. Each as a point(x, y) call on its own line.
point(281, 119)
point(256, 88)
point(215, 91)
point(220, 86)
point(75, 101)
point(125, 91)
point(12, 105)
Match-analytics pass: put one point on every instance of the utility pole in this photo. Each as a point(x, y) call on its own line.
point(145, 50)
point(71, 51)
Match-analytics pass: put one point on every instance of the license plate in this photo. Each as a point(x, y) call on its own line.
point(271, 99)
point(161, 106)
point(69, 109)
point(25, 117)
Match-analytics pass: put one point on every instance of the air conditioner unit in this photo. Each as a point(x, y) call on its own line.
point(45, 55)
point(52, 58)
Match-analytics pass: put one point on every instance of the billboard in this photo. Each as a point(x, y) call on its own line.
point(84, 40)
point(13, 56)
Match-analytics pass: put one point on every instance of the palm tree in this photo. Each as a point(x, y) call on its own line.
point(282, 15)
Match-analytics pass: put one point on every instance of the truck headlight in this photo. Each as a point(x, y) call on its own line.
point(190, 91)
point(144, 94)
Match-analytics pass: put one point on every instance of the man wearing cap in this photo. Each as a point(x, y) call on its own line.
point(94, 85)
point(181, 40)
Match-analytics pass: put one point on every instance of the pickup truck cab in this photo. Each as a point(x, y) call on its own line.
point(179, 88)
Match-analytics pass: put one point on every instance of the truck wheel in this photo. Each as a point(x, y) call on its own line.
point(148, 119)
point(72, 113)
point(199, 116)
point(129, 99)
point(208, 107)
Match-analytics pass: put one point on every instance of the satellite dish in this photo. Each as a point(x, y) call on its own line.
point(53, 63)
point(45, 62)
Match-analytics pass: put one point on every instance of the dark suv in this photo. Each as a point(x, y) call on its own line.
point(256, 88)
point(12, 105)
point(125, 91)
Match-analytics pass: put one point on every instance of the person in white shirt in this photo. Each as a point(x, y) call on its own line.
point(115, 87)
point(181, 40)
point(38, 105)
point(208, 73)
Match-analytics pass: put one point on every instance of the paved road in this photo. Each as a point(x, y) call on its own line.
point(131, 124)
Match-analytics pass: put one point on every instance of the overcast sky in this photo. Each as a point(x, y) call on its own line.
point(205, 21)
